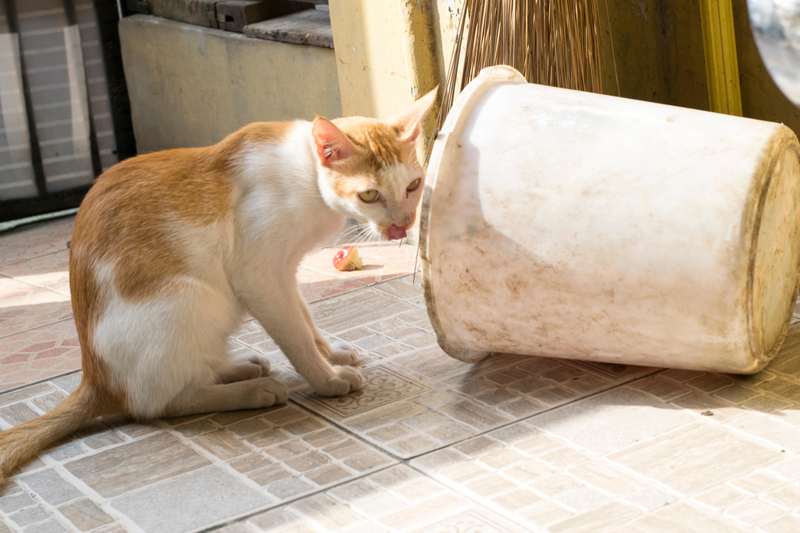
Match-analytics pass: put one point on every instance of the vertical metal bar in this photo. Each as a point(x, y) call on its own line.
point(36, 153)
point(722, 66)
point(107, 24)
point(97, 166)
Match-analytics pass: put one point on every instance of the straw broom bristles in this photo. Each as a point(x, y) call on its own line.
point(551, 42)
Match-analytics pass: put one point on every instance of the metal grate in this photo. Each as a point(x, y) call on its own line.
point(56, 127)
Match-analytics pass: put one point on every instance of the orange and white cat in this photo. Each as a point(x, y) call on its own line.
point(171, 250)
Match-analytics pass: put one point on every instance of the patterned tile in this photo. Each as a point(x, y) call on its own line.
point(163, 476)
point(382, 386)
point(603, 423)
point(397, 499)
point(24, 307)
point(695, 458)
point(512, 443)
point(453, 400)
point(314, 287)
point(516, 471)
point(680, 517)
point(39, 354)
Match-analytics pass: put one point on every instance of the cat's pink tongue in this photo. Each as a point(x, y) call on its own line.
point(394, 233)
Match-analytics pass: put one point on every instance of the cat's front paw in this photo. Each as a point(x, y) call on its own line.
point(343, 353)
point(346, 379)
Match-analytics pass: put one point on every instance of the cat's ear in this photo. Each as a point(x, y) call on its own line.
point(410, 120)
point(332, 145)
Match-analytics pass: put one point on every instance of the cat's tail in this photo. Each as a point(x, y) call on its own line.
point(21, 443)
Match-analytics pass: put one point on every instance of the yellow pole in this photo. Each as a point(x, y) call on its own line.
point(722, 67)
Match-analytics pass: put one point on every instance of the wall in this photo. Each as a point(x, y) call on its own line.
point(389, 52)
point(388, 55)
point(192, 86)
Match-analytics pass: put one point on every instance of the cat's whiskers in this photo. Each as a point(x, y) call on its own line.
point(351, 235)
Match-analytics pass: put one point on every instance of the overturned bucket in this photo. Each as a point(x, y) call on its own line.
point(575, 225)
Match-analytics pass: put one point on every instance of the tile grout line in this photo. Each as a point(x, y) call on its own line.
point(636, 475)
point(226, 467)
point(33, 329)
point(291, 501)
point(14, 263)
point(36, 285)
point(40, 381)
point(408, 461)
point(399, 461)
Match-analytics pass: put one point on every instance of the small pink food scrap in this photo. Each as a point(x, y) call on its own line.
point(347, 259)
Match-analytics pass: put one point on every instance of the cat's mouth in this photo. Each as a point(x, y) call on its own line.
point(394, 233)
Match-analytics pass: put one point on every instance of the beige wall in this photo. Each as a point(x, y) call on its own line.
point(388, 54)
point(368, 42)
point(191, 86)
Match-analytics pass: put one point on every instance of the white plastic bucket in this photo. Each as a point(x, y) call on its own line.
point(568, 224)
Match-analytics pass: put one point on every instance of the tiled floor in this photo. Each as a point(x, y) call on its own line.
point(430, 445)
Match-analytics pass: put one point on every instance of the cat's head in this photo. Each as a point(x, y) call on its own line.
point(369, 169)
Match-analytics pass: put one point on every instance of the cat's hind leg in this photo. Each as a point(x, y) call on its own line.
point(250, 394)
point(168, 352)
point(250, 365)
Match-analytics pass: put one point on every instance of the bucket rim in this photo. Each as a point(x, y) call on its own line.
point(442, 148)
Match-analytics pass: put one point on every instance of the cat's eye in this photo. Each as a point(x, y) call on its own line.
point(414, 185)
point(368, 196)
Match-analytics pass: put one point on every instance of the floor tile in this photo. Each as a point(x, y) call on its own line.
point(509, 472)
point(39, 354)
point(134, 465)
point(208, 496)
point(417, 400)
point(35, 240)
point(611, 420)
point(383, 385)
point(244, 461)
point(24, 306)
point(513, 443)
point(680, 517)
point(398, 499)
point(349, 311)
point(50, 271)
point(382, 261)
point(695, 458)
point(85, 515)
